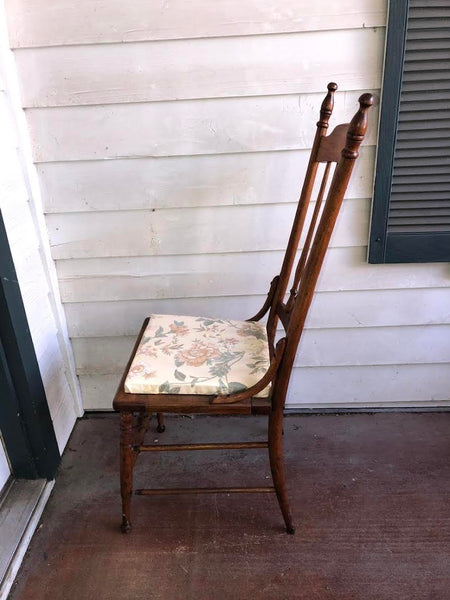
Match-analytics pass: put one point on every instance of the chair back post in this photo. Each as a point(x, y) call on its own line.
point(338, 186)
point(300, 215)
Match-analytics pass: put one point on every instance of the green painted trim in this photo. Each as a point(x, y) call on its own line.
point(25, 407)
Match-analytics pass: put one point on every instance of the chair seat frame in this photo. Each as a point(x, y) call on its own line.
point(340, 147)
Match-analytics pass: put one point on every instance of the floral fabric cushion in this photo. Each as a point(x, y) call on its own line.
point(197, 355)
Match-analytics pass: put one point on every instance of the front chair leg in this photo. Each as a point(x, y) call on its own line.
point(277, 467)
point(161, 427)
point(126, 467)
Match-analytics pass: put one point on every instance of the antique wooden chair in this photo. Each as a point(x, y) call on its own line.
point(216, 366)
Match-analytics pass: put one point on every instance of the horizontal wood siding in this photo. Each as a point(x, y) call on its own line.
point(185, 181)
point(171, 140)
point(186, 127)
point(372, 308)
point(338, 347)
point(204, 230)
point(223, 67)
point(330, 387)
point(37, 23)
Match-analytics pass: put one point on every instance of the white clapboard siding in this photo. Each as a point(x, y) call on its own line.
point(102, 319)
point(185, 127)
point(186, 181)
point(37, 23)
point(190, 231)
point(369, 308)
point(152, 277)
point(170, 166)
point(318, 348)
point(383, 386)
point(206, 68)
point(62, 419)
point(355, 386)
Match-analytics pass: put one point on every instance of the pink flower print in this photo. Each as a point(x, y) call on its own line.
point(137, 369)
point(178, 329)
point(148, 351)
point(150, 375)
point(197, 354)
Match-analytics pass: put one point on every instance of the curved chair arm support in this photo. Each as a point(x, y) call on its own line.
point(262, 383)
point(268, 303)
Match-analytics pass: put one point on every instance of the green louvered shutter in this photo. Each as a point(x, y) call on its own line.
point(411, 212)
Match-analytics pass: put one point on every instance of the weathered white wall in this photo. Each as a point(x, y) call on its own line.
point(25, 227)
point(170, 140)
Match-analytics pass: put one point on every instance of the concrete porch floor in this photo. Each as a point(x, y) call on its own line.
point(370, 495)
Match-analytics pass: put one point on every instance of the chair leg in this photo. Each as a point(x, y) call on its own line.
point(277, 467)
point(161, 427)
point(126, 467)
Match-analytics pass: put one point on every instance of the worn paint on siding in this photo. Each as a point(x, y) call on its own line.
point(164, 166)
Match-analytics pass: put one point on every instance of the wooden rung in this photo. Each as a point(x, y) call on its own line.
point(224, 490)
point(217, 446)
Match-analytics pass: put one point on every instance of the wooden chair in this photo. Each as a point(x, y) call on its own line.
point(221, 367)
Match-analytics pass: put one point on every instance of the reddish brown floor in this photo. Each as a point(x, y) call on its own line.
point(370, 497)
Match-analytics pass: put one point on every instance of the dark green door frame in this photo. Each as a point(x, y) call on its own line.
point(25, 419)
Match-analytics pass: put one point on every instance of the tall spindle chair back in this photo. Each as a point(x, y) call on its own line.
point(337, 153)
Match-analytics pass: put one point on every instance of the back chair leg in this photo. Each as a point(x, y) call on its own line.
point(277, 467)
point(127, 456)
point(142, 424)
point(161, 427)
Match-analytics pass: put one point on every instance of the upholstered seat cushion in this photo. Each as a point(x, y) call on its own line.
point(197, 355)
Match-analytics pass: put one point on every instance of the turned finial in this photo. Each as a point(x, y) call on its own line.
point(357, 128)
point(327, 106)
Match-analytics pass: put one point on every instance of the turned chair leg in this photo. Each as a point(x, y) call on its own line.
point(127, 456)
point(161, 427)
point(277, 467)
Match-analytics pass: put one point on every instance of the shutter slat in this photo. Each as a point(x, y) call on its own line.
point(420, 45)
point(422, 153)
point(426, 95)
point(424, 13)
point(420, 85)
point(408, 217)
point(425, 65)
point(424, 24)
point(420, 196)
point(418, 228)
point(433, 142)
point(421, 165)
point(418, 204)
point(429, 34)
point(421, 76)
point(441, 52)
point(422, 115)
point(432, 105)
point(424, 4)
point(417, 188)
point(422, 179)
point(406, 125)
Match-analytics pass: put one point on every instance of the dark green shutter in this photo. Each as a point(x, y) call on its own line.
point(411, 211)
